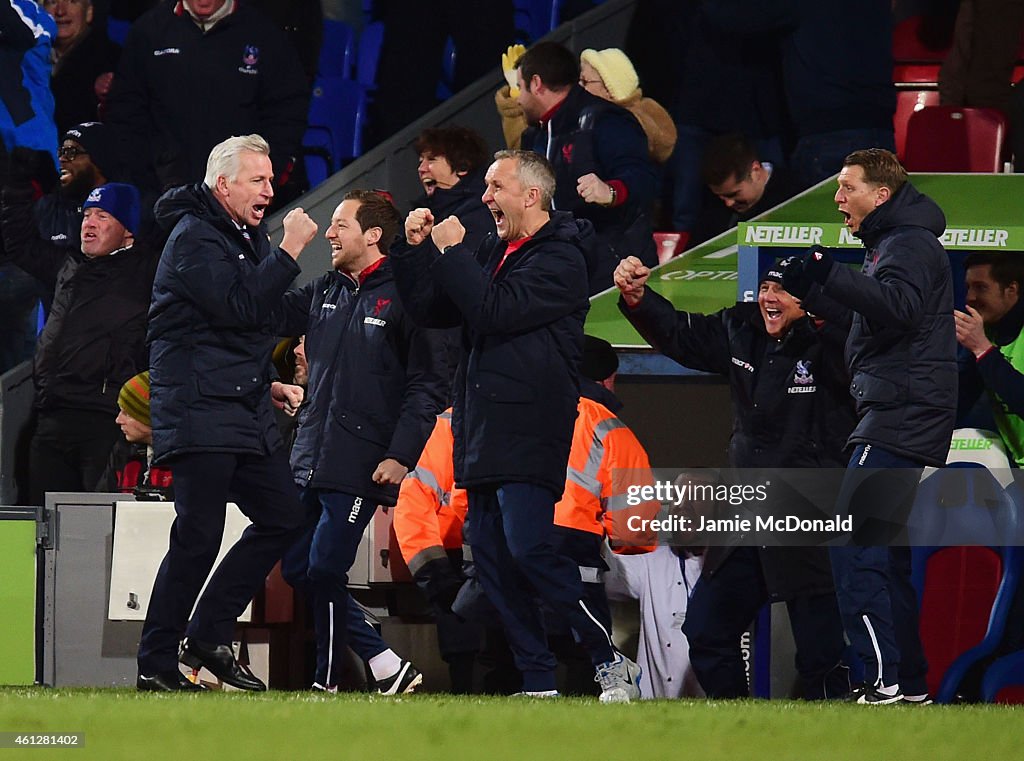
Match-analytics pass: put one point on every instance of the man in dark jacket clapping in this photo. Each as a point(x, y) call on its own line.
point(521, 299)
point(902, 357)
point(216, 304)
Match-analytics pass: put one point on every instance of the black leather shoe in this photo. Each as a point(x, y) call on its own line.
point(168, 681)
point(220, 661)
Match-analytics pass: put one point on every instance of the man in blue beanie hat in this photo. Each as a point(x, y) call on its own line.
point(81, 363)
point(117, 213)
point(41, 218)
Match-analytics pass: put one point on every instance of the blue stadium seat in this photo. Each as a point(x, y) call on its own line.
point(337, 115)
point(535, 18)
point(338, 49)
point(370, 43)
point(964, 577)
point(318, 155)
point(1012, 562)
point(446, 85)
point(1007, 671)
point(117, 30)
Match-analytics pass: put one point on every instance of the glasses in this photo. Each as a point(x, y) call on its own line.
point(70, 152)
point(585, 82)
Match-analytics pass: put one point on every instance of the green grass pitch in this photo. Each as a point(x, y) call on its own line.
point(124, 724)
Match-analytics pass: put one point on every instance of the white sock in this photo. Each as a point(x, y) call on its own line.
point(891, 690)
point(385, 665)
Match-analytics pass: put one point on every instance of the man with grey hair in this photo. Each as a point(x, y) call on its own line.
point(216, 302)
point(521, 300)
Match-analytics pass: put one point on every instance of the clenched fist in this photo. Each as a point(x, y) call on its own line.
point(418, 225)
point(448, 233)
point(593, 189)
point(389, 472)
point(287, 397)
point(630, 277)
point(299, 230)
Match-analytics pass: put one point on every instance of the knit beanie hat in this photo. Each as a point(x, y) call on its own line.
point(119, 199)
point(616, 71)
point(134, 398)
point(599, 359)
point(98, 141)
point(775, 270)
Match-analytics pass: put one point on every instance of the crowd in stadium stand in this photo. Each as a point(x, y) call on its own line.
point(441, 367)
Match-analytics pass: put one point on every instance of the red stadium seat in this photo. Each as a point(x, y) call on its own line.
point(950, 139)
point(956, 603)
point(670, 245)
point(907, 103)
point(908, 47)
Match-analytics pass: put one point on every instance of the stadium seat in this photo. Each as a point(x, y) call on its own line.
point(908, 47)
point(370, 43)
point(964, 579)
point(950, 139)
point(916, 74)
point(337, 50)
point(317, 155)
point(1004, 680)
point(337, 115)
point(960, 589)
point(117, 29)
point(670, 244)
point(535, 18)
point(908, 102)
point(446, 85)
point(1010, 572)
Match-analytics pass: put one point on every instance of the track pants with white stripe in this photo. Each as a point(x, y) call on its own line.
point(876, 599)
point(320, 563)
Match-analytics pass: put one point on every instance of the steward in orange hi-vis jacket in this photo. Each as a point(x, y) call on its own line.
point(429, 516)
point(605, 460)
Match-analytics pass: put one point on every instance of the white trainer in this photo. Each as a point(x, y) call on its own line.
point(619, 680)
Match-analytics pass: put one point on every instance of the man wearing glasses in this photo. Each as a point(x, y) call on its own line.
point(41, 219)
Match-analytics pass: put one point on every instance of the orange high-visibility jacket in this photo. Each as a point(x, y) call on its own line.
point(605, 460)
point(431, 510)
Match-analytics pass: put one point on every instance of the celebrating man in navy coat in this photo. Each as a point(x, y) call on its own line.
point(521, 300)
point(215, 305)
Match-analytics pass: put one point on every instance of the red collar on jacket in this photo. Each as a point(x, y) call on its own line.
point(509, 250)
point(361, 277)
point(550, 113)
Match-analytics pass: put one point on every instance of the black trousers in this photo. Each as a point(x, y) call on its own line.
point(724, 605)
point(262, 487)
point(69, 451)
